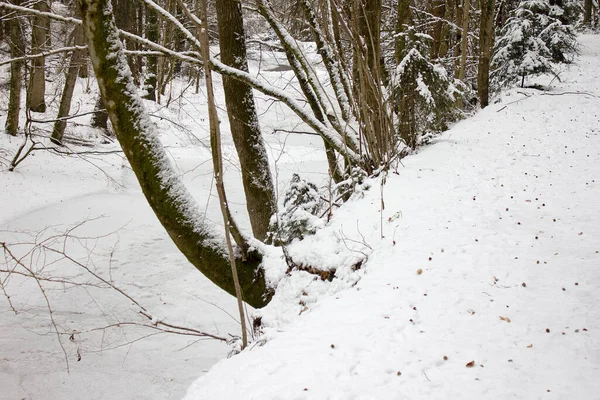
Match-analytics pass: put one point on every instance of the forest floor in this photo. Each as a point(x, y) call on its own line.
point(481, 280)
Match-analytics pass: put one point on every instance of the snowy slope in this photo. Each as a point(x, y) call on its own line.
point(486, 284)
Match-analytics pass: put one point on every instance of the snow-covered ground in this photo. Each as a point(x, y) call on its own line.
point(490, 255)
point(486, 283)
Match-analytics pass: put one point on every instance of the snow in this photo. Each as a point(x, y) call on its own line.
point(379, 332)
point(492, 259)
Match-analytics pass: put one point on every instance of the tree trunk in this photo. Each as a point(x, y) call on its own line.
point(486, 45)
point(40, 34)
point(587, 13)
point(403, 19)
point(243, 121)
point(152, 66)
point(179, 214)
point(369, 25)
point(67, 94)
point(215, 140)
point(464, 40)
point(100, 116)
point(17, 49)
point(438, 9)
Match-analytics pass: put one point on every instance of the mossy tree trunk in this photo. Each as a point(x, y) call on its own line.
point(243, 121)
point(178, 213)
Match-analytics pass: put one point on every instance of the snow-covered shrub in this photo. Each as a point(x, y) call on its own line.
point(423, 91)
point(531, 40)
point(300, 215)
point(354, 183)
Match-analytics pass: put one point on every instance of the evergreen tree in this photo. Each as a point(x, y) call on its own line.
point(423, 90)
point(532, 39)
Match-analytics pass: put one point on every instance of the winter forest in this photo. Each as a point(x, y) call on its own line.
point(299, 199)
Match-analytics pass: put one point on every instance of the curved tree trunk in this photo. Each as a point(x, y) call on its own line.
point(17, 49)
point(40, 34)
point(175, 208)
point(243, 121)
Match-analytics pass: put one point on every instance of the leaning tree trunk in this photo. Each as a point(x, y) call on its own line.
point(138, 136)
point(243, 121)
point(67, 94)
point(486, 44)
point(40, 34)
point(17, 49)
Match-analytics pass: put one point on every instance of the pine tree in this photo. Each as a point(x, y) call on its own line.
point(532, 39)
point(424, 91)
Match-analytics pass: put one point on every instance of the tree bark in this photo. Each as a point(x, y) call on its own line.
point(17, 49)
point(438, 9)
point(138, 136)
point(100, 116)
point(464, 40)
point(40, 34)
point(486, 45)
point(67, 94)
point(152, 63)
point(243, 121)
point(403, 19)
point(369, 25)
point(587, 13)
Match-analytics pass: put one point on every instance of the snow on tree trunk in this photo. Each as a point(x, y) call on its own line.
point(177, 211)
